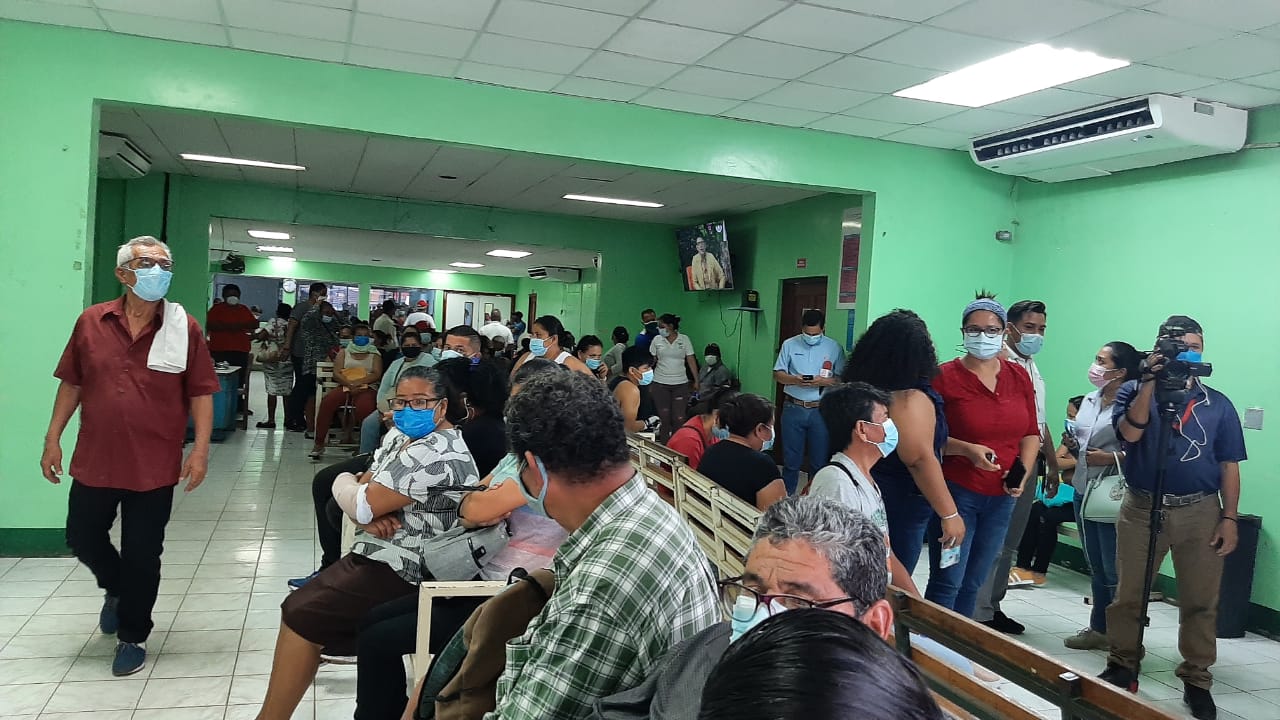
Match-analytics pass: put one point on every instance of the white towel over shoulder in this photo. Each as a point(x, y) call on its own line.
point(169, 347)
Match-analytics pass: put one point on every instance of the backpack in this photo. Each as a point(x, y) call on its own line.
point(462, 682)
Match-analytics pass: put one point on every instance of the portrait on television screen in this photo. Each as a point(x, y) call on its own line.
point(704, 257)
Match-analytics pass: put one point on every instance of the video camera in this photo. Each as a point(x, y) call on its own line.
point(1181, 363)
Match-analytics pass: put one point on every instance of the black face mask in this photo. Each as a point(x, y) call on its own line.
point(410, 352)
point(651, 327)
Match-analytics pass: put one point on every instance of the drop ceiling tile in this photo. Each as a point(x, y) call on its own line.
point(331, 156)
point(806, 96)
point(773, 114)
point(390, 163)
point(276, 44)
point(685, 102)
point(528, 54)
point(914, 10)
point(615, 7)
point(1138, 79)
point(183, 133)
point(731, 16)
point(903, 110)
point(1237, 15)
point(257, 139)
point(1027, 21)
point(627, 69)
point(1271, 32)
point(1270, 80)
point(825, 29)
point(288, 18)
point(931, 137)
point(979, 121)
point(510, 77)
point(602, 89)
point(406, 36)
point(644, 38)
point(1137, 36)
point(1051, 101)
point(857, 126)
point(1238, 95)
point(858, 73)
point(160, 27)
point(39, 12)
point(760, 57)
point(553, 23)
point(936, 49)
point(1230, 58)
point(718, 83)
point(465, 163)
point(339, 4)
point(402, 61)
point(466, 14)
point(201, 11)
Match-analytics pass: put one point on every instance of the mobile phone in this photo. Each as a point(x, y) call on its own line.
point(807, 378)
point(950, 556)
point(1016, 473)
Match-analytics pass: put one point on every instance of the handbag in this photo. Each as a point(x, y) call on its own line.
point(1104, 494)
point(459, 553)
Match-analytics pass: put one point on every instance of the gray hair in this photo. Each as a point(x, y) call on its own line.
point(125, 253)
point(851, 543)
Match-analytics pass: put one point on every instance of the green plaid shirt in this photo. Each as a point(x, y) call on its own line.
point(630, 583)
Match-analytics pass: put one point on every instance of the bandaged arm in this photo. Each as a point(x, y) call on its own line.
point(353, 498)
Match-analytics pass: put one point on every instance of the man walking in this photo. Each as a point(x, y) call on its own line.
point(229, 324)
point(136, 368)
point(809, 363)
point(295, 346)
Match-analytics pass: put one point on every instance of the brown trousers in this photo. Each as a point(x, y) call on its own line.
point(1187, 532)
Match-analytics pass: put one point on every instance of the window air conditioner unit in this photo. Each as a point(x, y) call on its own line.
point(1108, 138)
point(557, 274)
point(120, 159)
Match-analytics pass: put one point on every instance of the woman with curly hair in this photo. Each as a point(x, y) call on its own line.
point(896, 354)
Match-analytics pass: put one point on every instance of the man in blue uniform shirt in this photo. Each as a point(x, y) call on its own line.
point(1200, 500)
point(808, 364)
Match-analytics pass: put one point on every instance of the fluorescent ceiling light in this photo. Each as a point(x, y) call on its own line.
point(508, 253)
point(269, 235)
point(195, 157)
point(274, 248)
point(444, 272)
point(466, 265)
point(1022, 71)
point(613, 201)
point(282, 258)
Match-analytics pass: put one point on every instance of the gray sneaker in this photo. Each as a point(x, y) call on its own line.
point(1087, 639)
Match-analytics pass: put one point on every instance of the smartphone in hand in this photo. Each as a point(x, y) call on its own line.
point(1016, 473)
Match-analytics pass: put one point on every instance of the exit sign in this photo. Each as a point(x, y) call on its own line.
point(802, 262)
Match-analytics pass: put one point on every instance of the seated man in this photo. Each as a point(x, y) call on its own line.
point(631, 390)
point(631, 581)
point(807, 552)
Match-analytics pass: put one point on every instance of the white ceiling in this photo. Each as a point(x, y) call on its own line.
point(401, 167)
point(826, 64)
point(387, 249)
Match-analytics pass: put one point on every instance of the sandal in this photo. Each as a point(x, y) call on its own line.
point(267, 425)
point(316, 453)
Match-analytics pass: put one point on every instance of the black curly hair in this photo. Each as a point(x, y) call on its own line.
point(895, 353)
point(571, 422)
point(484, 384)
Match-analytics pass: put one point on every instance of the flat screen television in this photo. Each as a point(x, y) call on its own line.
point(704, 257)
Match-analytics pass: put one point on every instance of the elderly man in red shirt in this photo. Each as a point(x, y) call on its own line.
point(229, 324)
point(136, 367)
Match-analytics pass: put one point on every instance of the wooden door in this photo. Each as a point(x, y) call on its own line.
point(798, 295)
point(533, 309)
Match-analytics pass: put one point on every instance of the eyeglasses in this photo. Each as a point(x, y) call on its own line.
point(146, 263)
point(415, 403)
point(733, 589)
point(973, 331)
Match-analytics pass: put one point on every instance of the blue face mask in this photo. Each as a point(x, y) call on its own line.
point(1070, 426)
point(743, 619)
point(768, 444)
point(890, 442)
point(811, 340)
point(538, 347)
point(151, 283)
point(361, 340)
point(416, 424)
point(327, 319)
point(983, 347)
point(594, 363)
point(1030, 344)
point(536, 504)
point(1191, 356)
point(646, 377)
point(720, 433)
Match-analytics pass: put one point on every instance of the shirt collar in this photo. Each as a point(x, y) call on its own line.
point(1012, 355)
point(576, 545)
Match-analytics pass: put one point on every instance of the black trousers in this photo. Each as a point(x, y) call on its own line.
point(328, 531)
point(388, 634)
point(132, 573)
point(240, 360)
point(304, 386)
point(1041, 536)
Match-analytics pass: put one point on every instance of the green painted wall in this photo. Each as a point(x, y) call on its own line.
point(1113, 257)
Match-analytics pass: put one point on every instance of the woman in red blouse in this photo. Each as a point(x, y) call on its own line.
point(991, 450)
point(701, 432)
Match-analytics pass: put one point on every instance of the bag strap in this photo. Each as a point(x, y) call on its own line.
point(845, 470)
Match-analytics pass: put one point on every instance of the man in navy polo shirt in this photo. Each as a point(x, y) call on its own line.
point(808, 364)
point(1200, 498)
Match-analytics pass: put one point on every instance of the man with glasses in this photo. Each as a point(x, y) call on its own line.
point(808, 552)
point(133, 420)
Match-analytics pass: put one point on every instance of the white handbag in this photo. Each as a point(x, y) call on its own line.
point(1104, 495)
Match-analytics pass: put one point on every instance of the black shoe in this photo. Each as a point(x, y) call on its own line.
point(1200, 702)
point(1118, 675)
point(1005, 624)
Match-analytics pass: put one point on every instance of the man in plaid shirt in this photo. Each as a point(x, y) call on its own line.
point(631, 580)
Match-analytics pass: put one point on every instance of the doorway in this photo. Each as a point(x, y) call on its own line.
point(798, 295)
point(533, 309)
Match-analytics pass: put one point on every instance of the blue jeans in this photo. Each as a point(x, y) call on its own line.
point(986, 519)
point(1099, 543)
point(801, 427)
point(370, 432)
point(908, 513)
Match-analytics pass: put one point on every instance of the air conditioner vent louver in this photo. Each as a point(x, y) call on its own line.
point(557, 274)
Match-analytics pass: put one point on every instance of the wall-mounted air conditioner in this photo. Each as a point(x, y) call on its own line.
point(558, 274)
point(120, 159)
point(1108, 138)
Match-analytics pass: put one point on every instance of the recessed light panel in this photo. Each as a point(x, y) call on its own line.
point(613, 201)
point(269, 235)
point(1022, 71)
point(508, 253)
point(218, 160)
point(466, 265)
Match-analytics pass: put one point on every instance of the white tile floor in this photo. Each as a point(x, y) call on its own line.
point(232, 544)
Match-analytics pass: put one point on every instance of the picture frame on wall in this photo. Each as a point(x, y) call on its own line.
point(468, 313)
point(488, 311)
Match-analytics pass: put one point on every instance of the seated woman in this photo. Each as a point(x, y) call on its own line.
point(591, 352)
point(356, 369)
point(701, 432)
point(551, 341)
point(484, 392)
point(631, 390)
point(400, 509)
point(739, 464)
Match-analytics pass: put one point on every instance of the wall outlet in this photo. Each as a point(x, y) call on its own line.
point(1253, 418)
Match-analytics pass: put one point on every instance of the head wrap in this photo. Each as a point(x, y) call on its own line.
point(987, 304)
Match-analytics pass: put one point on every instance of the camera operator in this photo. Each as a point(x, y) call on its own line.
point(1199, 502)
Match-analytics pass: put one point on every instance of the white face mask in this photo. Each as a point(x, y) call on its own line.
point(233, 300)
point(711, 359)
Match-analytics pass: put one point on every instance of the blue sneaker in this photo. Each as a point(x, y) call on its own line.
point(109, 617)
point(296, 583)
point(130, 658)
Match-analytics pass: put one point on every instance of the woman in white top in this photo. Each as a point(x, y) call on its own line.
point(1092, 439)
point(549, 340)
point(673, 353)
point(357, 370)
